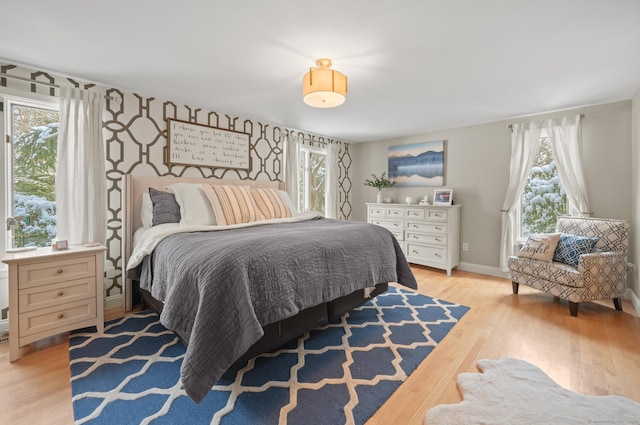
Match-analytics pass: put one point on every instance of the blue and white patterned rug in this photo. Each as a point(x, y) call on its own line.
point(338, 374)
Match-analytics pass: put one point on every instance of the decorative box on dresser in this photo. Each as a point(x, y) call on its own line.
point(429, 234)
point(51, 292)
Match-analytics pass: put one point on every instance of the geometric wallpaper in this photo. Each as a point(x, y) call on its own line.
point(135, 134)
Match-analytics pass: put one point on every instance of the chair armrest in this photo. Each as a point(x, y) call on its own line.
point(613, 265)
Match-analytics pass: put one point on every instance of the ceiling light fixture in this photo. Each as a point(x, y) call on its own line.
point(322, 87)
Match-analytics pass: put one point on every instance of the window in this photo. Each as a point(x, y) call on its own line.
point(312, 184)
point(544, 198)
point(30, 163)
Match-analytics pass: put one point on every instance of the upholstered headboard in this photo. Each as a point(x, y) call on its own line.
point(132, 189)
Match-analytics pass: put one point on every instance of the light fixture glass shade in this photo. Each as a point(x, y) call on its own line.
point(323, 87)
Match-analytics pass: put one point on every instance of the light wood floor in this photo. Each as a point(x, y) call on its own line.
point(596, 353)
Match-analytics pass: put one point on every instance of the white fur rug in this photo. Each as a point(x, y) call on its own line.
point(514, 392)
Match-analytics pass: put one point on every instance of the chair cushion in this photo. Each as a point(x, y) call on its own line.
point(559, 273)
point(540, 247)
point(571, 247)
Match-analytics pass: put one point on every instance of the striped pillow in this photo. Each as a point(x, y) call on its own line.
point(232, 204)
point(270, 203)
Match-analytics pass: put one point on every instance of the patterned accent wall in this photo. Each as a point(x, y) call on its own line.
point(135, 134)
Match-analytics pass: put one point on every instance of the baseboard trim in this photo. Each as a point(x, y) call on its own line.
point(482, 269)
point(635, 300)
point(114, 301)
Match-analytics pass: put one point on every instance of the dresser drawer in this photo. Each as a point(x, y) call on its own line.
point(399, 234)
point(426, 238)
point(47, 272)
point(394, 212)
point(389, 224)
point(56, 294)
point(376, 211)
point(426, 226)
point(429, 254)
point(436, 215)
point(58, 316)
point(415, 213)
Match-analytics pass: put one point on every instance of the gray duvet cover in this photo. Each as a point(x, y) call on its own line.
point(220, 288)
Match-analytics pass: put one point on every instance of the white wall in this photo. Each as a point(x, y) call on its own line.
point(477, 169)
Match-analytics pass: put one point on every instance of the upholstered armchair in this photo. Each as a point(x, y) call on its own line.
point(597, 275)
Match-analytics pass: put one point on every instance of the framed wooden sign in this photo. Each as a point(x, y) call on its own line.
point(204, 146)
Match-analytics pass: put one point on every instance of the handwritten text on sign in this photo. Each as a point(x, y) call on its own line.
point(201, 145)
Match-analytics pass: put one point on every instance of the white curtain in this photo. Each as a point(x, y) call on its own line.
point(291, 167)
point(81, 204)
point(564, 139)
point(331, 184)
point(525, 142)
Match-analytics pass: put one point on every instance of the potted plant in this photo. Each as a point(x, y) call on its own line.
point(379, 183)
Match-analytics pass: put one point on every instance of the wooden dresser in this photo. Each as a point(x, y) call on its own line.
point(429, 234)
point(52, 292)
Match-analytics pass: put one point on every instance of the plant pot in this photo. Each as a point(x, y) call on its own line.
point(379, 197)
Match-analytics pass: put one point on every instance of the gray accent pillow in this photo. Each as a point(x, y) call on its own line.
point(165, 207)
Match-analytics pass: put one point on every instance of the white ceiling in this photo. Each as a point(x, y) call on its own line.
point(414, 66)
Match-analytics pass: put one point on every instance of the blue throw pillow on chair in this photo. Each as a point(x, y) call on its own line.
point(571, 247)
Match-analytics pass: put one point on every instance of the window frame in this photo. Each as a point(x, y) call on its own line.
point(518, 210)
point(6, 153)
point(306, 176)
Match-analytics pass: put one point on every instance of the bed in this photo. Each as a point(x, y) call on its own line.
point(232, 290)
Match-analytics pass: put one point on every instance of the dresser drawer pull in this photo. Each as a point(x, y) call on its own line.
point(60, 293)
point(413, 251)
point(396, 224)
point(60, 316)
point(59, 271)
point(437, 255)
point(438, 228)
point(414, 236)
point(438, 240)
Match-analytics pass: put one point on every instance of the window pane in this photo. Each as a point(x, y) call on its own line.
point(34, 141)
point(544, 198)
point(317, 174)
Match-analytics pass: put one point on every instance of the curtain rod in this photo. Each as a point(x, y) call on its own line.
point(510, 126)
point(57, 86)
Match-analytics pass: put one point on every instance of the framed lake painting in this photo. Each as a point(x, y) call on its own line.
point(418, 164)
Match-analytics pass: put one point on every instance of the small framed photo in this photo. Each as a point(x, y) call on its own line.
point(442, 196)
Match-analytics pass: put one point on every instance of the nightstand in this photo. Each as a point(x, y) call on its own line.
point(51, 292)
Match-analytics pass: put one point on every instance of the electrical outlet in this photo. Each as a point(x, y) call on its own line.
point(465, 246)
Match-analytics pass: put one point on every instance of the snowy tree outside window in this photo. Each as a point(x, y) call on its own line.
point(35, 145)
point(544, 198)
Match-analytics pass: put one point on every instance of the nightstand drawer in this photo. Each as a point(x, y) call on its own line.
point(426, 238)
point(426, 227)
point(56, 294)
point(44, 273)
point(59, 316)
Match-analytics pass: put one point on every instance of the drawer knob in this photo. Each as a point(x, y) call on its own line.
point(60, 316)
point(438, 239)
point(414, 251)
point(59, 271)
point(437, 255)
point(60, 293)
point(438, 228)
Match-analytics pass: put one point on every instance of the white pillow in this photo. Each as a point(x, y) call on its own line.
point(146, 211)
point(195, 208)
point(289, 202)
